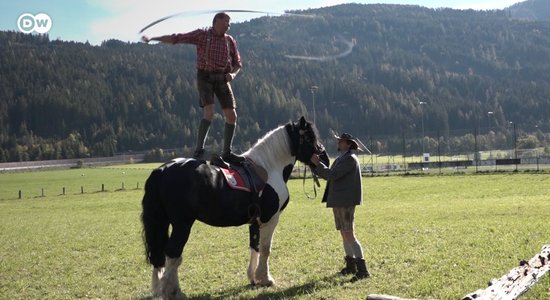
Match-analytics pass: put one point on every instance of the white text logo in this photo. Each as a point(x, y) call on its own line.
point(41, 23)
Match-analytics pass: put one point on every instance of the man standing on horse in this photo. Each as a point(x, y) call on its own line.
point(218, 63)
point(343, 192)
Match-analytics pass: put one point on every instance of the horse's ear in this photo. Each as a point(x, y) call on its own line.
point(303, 122)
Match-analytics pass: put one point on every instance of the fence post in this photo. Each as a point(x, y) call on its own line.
point(20, 194)
point(103, 187)
point(42, 192)
point(81, 189)
point(63, 191)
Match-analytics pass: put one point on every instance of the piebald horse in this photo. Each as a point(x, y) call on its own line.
point(184, 190)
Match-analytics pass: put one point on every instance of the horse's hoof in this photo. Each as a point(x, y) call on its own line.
point(252, 280)
point(266, 283)
point(156, 293)
point(173, 295)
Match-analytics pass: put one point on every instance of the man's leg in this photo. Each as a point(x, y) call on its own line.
point(353, 244)
point(208, 113)
point(342, 224)
point(229, 132)
point(360, 265)
point(349, 237)
point(206, 101)
point(350, 267)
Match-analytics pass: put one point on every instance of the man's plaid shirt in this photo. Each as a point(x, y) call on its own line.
point(223, 55)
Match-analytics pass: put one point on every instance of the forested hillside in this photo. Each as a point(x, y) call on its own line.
point(63, 99)
point(534, 10)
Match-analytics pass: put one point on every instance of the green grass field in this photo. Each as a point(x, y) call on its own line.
point(89, 180)
point(428, 237)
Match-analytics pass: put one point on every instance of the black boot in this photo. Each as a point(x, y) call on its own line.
point(350, 268)
point(201, 138)
point(198, 154)
point(227, 155)
point(232, 157)
point(362, 271)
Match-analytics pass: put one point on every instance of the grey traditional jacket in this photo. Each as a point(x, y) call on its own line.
point(344, 186)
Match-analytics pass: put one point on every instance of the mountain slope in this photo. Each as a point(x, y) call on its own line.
point(115, 97)
point(534, 10)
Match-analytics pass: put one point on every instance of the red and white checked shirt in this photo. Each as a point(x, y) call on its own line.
point(223, 55)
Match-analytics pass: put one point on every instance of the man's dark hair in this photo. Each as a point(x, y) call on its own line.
point(220, 15)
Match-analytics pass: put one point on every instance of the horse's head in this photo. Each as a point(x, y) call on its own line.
point(305, 142)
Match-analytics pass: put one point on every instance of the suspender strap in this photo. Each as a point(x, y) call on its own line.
point(228, 51)
point(207, 50)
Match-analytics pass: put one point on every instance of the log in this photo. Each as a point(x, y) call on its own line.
point(518, 281)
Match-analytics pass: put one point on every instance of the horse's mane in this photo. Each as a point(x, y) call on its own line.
point(270, 149)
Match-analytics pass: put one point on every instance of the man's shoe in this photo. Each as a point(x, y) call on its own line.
point(199, 154)
point(232, 157)
point(350, 268)
point(362, 271)
point(216, 160)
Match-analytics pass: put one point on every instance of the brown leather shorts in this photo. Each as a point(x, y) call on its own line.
point(343, 217)
point(210, 84)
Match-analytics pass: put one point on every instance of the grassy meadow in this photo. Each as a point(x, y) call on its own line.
point(425, 237)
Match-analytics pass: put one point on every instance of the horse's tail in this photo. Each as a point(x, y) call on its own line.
point(155, 221)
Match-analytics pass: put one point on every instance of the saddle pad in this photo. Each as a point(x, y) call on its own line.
point(235, 180)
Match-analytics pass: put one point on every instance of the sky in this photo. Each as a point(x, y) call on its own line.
point(95, 21)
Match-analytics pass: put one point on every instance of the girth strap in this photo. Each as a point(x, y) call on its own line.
point(257, 183)
point(254, 177)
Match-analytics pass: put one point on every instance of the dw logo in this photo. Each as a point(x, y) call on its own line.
point(41, 23)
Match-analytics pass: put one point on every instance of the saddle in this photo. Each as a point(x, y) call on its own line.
point(246, 176)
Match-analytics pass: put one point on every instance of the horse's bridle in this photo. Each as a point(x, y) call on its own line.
point(295, 149)
point(317, 149)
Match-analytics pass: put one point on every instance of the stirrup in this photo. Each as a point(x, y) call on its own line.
point(217, 160)
point(233, 158)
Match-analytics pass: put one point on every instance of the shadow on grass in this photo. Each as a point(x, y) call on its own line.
point(266, 293)
point(306, 288)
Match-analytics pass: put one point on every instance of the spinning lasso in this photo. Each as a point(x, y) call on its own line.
point(193, 13)
point(347, 51)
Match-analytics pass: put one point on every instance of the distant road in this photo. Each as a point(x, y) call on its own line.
point(72, 163)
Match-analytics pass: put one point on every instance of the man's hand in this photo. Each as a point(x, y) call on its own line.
point(145, 39)
point(315, 159)
point(229, 77)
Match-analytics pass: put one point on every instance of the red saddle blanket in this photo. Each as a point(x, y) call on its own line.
point(235, 180)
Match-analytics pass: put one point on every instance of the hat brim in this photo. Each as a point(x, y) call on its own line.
point(354, 143)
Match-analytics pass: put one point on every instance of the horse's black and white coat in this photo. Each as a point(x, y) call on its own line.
point(185, 190)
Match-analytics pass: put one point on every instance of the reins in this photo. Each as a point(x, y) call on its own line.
point(315, 183)
point(290, 130)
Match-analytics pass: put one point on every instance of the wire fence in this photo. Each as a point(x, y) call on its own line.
point(64, 191)
point(489, 149)
point(510, 148)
